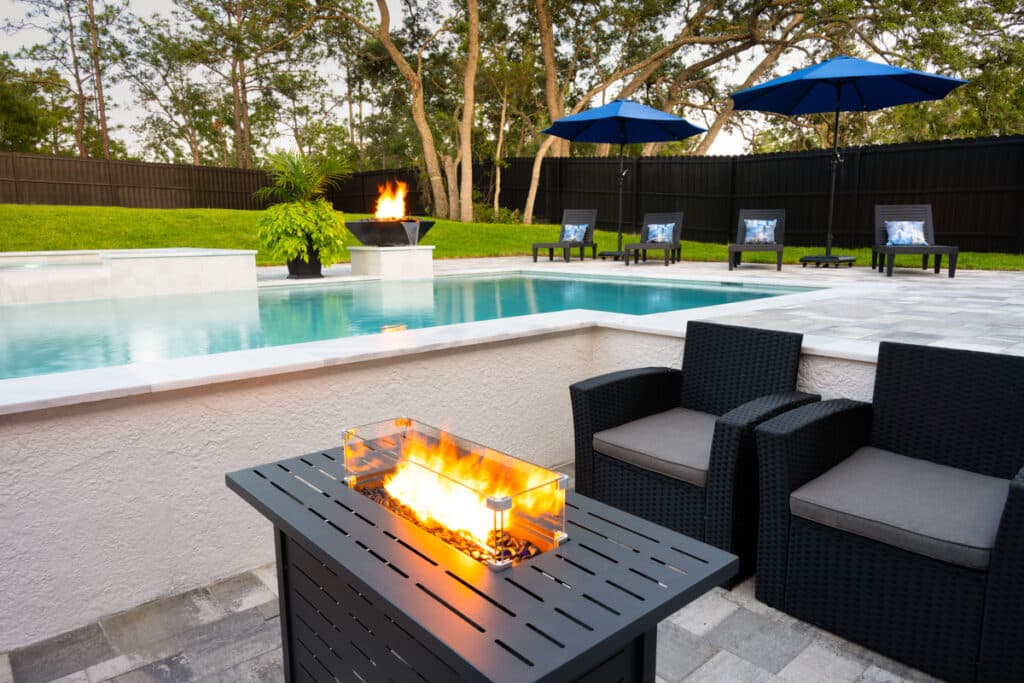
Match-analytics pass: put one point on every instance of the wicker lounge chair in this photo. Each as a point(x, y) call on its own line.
point(574, 217)
point(882, 252)
point(671, 248)
point(776, 244)
point(677, 447)
point(900, 524)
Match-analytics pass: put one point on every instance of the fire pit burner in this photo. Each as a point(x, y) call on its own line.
point(497, 509)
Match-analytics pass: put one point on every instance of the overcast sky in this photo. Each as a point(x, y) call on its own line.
point(126, 113)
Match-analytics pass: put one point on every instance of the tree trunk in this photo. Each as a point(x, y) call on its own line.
point(419, 111)
point(468, 111)
point(79, 86)
point(552, 91)
point(101, 104)
point(497, 150)
point(531, 196)
point(451, 174)
point(236, 101)
point(243, 89)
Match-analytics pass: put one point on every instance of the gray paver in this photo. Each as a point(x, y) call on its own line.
point(266, 668)
point(171, 670)
point(241, 592)
point(6, 676)
point(725, 666)
point(268, 575)
point(229, 642)
point(680, 652)
point(162, 619)
point(768, 644)
point(818, 662)
point(65, 654)
point(705, 613)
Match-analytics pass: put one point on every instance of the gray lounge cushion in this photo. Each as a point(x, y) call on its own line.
point(676, 443)
point(917, 505)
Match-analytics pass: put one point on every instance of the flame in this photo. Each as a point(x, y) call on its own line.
point(391, 201)
point(443, 486)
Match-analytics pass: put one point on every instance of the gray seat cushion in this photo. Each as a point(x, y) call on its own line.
point(917, 505)
point(676, 443)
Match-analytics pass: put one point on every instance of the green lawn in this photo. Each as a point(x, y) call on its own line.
point(44, 228)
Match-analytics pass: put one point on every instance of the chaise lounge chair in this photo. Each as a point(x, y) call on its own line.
point(660, 231)
point(758, 232)
point(919, 216)
point(676, 446)
point(577, 231)
point(900, 524)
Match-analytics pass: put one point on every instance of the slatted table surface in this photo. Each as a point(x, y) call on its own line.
point(366, 595)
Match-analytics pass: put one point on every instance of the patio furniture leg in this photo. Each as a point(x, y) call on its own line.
point(535, 254)
point(732, 258)
point(593, 252)
point(952, 263)
point(938, 263)
point(924, 262)
point(778, 260)
point(874, 259)
point(881, 262)
point(888, 267)
point(551, 254)
point(668, 253)
point(567, 254)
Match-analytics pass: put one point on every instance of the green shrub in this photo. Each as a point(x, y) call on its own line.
point(286, 230)
point(485, 213)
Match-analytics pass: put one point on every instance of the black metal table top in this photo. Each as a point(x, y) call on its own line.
point(615, 578)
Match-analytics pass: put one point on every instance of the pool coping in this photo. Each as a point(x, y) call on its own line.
point(39, 392)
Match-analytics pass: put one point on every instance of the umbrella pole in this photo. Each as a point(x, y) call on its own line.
point(622, 181)
point(832, 182)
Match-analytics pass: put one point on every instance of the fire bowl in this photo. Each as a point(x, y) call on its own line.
point(375, 232)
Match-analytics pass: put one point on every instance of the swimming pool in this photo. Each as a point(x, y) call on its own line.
point(38, 339)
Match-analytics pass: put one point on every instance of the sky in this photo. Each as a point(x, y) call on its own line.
point(127, 112)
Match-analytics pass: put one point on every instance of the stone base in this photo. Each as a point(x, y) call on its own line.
point(393, 263)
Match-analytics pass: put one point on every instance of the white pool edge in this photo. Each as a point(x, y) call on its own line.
point(24, 394)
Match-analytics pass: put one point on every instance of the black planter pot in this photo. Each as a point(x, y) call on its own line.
point(299, 269)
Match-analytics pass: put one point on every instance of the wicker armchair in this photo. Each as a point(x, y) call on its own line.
point(586, 217)
point(677, 446)
point(900, 524)
point(671, 250)
point(736, 249)
point(881, 251)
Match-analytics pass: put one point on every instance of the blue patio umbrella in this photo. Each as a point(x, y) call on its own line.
point(842, 84)
point(622, 122)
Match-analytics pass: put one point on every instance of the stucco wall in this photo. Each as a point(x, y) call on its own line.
point(107, 505)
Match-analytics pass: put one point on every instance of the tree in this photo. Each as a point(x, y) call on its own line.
point(74, 49)
point(24, 123)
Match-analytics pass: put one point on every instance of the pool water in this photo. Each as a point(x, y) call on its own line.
point(44, 338)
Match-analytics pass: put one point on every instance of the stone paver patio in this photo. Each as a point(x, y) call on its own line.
point(230, 631)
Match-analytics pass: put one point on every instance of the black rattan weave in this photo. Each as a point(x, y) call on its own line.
point(745, 376)
point(960, 408)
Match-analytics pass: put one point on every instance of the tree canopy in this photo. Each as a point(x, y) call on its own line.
point(446, 85)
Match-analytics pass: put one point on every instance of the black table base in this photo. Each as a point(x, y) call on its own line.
point(366, 595)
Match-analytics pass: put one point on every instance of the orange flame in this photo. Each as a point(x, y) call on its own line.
point(450, 489)
point(391, 201)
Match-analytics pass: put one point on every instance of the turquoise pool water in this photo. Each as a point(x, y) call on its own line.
point(56, 337)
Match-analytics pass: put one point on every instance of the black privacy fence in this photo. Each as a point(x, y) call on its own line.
point(975, 187)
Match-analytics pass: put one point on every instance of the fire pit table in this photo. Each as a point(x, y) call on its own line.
point(366, 595)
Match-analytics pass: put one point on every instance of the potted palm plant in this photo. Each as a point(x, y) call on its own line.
point(302, 228)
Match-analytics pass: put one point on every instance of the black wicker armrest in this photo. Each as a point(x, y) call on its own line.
point(1002, 654)
point(792, 449)
point(609, 400)
point(733, 441)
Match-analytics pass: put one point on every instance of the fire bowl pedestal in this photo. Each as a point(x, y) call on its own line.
point(393, 263)
point(391, 248)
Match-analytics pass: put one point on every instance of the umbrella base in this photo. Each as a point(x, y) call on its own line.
point(823, 260)
point(617, 255)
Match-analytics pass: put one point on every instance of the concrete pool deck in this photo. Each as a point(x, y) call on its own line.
point(168, 430)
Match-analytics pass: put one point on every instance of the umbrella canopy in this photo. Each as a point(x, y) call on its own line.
point(622, 122)
point(842, 84)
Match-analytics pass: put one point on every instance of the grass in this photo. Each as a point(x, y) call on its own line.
point(45, 228)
